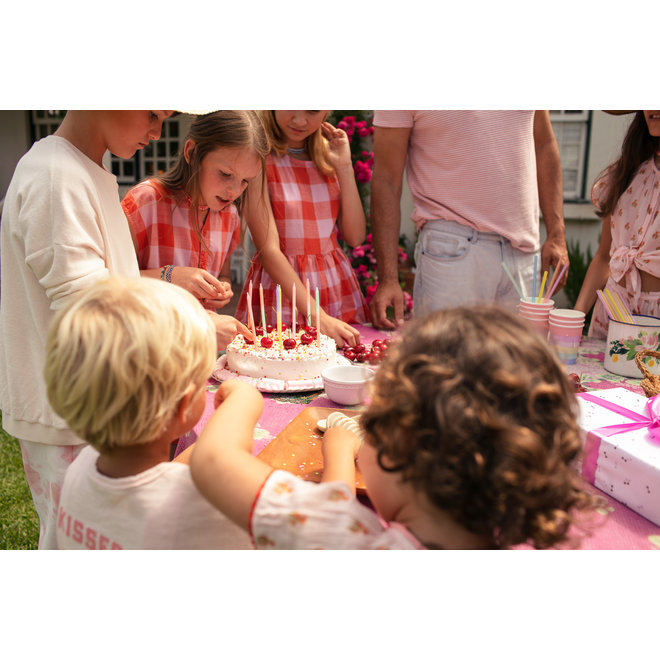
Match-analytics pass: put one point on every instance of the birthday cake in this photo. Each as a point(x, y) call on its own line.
point(295, 358)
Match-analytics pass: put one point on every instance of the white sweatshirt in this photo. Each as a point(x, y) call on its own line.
point(62, 228)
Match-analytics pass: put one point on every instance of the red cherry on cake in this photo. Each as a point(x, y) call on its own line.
point(266, 342)
point(311, 331)
point(258, 331)
point(248, 341)
point(306, 338)
point(269, 328)
point(283, 327)
point(289, 343)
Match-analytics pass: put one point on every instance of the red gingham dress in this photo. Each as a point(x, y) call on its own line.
point(161, 226)
point(305, 205)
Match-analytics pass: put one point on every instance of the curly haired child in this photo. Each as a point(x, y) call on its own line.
point(129, 389)
point(469, 438)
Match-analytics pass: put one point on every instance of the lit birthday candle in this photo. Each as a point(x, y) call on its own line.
point(309, 308)
point(278, 295)
point(263, 313)
point(293, 310)
point(318, 319)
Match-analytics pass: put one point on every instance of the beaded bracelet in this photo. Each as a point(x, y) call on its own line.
point(168, 274)
point(162, 272)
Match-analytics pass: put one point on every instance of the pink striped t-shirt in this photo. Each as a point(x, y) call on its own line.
point(475, 167)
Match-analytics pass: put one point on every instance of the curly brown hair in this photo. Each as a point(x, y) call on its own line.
point(473, 409)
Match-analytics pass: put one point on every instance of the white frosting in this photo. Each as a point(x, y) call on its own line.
point(305, 361)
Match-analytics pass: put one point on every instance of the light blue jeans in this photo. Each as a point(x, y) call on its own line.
point(457, 265)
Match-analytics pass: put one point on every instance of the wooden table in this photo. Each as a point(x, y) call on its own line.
point(621, 528)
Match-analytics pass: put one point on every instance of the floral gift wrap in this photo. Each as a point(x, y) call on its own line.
point(622, 447)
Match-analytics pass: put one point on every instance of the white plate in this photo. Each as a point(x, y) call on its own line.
point(273, 385)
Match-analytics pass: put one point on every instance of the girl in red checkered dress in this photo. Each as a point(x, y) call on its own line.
point(186, 224)
point(311, 196)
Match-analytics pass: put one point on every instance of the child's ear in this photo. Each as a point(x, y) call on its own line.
point(183, 407)
point(188, 150)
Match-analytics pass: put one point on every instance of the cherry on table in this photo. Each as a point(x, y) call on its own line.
point(360, 348)
point(350, 354)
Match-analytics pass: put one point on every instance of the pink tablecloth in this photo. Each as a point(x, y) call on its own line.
point(620, 527)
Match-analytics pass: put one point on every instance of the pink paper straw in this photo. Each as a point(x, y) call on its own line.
point(564, 268)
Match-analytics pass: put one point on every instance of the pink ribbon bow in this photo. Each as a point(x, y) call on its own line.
point(651, 422)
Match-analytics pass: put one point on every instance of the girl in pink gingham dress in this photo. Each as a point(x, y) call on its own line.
point(312, 196)
point(627, 196)
point(186, 222)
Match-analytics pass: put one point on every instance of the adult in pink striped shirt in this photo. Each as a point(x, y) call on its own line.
point(478, 180)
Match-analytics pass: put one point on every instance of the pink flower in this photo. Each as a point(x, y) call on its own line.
point(363, 131)
point(358, 251)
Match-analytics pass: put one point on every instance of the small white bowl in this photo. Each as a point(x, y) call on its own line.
point(347, 384)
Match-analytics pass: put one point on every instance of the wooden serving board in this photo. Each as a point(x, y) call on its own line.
point(297, 448)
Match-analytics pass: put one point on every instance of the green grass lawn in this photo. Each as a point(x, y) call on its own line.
point(19, 523)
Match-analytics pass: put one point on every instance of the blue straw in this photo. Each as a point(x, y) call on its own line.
point(536, 265)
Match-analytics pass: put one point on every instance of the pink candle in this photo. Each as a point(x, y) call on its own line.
point(263, 313)
point(309, 309)
point(278, 299)
point(250, 315)
point(293, 310)
point(318, 319)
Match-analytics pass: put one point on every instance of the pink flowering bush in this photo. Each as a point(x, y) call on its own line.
point(359, 128)
point(363, 260)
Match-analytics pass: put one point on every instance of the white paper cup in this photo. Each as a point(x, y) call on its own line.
point(567, 316)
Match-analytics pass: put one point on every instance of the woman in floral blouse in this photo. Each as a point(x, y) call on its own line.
point(627, 197)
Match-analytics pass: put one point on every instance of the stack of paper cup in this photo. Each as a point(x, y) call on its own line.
point(537, 313)
point(566, 333)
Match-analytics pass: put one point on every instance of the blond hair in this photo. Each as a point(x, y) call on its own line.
point(120, 357)
point(315, 144)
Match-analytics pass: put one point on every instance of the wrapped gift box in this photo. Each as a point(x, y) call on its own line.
point(622, 447)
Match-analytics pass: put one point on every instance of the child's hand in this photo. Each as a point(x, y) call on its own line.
point(339, 147)
point(340, 331)
point(226, 328)
point(221, 299)
point(248, 394)
point(202, 285)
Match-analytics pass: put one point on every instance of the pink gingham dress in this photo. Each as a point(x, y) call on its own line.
point(635, 244)
point(160, 223)
point(305, 205)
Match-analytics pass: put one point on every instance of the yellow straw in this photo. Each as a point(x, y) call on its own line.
point(545, 277)
point(606, 305)
point(626, 312)
point(619, 315)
